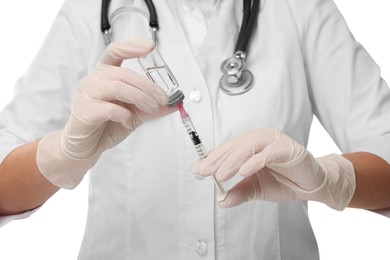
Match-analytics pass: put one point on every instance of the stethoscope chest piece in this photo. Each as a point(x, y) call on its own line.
point(236, 79)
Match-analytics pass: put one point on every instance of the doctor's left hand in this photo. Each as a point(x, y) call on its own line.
point(111, 102)
point(276, 168)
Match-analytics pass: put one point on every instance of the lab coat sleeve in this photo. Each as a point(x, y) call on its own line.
point(7, 219)
point(348, 95)
point(43, 95)
point(383, 212)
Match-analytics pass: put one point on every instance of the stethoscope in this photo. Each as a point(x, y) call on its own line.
point(236, 79)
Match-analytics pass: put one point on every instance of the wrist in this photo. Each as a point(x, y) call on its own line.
point(56, 166)
point(339, 185)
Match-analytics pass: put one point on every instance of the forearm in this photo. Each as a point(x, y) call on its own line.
point(22, 186)
point(372, 181)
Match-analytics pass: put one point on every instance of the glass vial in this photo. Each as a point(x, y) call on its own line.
point(158, 71)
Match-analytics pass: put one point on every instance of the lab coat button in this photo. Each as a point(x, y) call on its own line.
point(195, 96)
point(201, 248)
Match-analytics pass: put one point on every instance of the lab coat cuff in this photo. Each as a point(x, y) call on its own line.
point(379, 147)
point(383, 212)
point(7, 146)
point(4, 220)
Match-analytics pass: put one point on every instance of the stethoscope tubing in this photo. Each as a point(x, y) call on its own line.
point(251, 10)
point(236, 79)
point(153, 20)
point(104, 21)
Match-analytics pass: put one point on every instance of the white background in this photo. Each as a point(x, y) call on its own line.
point(56, 230)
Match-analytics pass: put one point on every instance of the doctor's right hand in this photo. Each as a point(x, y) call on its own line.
point(110, 103)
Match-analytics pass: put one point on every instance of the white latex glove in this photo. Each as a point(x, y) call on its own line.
point(110, 103)
point(276, 168)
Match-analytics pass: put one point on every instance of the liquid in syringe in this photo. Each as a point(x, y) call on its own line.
point(196, 141)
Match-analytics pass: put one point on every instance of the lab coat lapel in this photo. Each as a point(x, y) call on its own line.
point(219, 41)
point(180, 59)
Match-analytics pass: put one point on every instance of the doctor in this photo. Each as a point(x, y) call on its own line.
point(87, 112)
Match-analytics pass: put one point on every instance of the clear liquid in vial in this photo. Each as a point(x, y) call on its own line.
point(157, 70)
point(162, 76)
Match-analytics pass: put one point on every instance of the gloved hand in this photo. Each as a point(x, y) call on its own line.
point(110, 103)
point(276, 168)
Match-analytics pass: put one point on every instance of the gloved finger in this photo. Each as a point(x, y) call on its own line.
point(117, 52)
point(112, 91)
point(233, 160)
point(211, 163)
point(267, 157)
point(243, 191)
point(217, 156)
point(281, 152)
point(92, 112)
point(256, 162)
point(162, 111)
point(264, 185)
point(257, 140)
point(131, 78)
point(284, 150)
point(195, 167)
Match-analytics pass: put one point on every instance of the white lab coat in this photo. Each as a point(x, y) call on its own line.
point(144, 201)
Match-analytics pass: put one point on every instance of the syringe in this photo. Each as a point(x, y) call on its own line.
point(158, 71)
point(185, 117)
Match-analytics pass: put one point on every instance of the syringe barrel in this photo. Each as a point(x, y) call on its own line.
point(195, 139)
point(201, 152)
